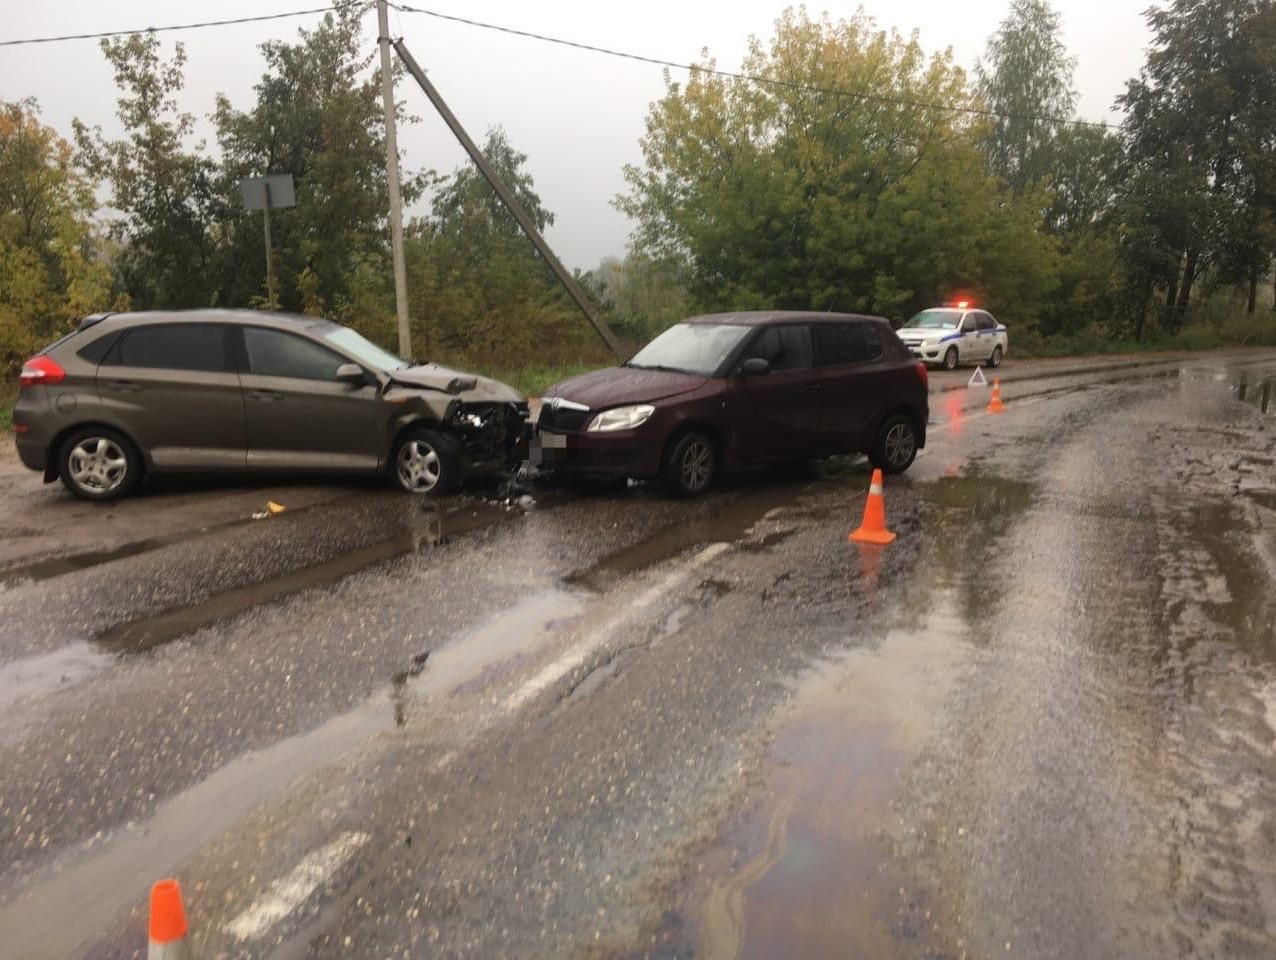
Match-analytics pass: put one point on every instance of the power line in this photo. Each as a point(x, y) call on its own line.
point(753, 78)
point(180, 26)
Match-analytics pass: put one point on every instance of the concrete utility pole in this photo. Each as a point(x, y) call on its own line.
point(508, 198)
point(392, 176)
point(270, 260)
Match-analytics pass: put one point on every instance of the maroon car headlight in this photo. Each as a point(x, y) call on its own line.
point(621, 418)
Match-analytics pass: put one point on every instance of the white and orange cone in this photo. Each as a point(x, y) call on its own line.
point(168, 930)
point(872, 528)
point(994, 405)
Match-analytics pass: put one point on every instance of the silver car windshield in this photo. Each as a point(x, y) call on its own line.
point(697, 348)
point(935, 320)
point(364, 350)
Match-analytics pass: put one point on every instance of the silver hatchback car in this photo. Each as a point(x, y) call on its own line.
point(208, 391)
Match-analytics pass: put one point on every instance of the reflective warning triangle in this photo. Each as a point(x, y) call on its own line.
point(977, 379)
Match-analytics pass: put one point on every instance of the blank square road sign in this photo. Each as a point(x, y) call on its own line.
point(281, 192)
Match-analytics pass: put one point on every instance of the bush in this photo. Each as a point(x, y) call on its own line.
point(1250, 330)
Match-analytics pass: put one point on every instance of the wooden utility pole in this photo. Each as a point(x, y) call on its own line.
point(392, 177)
point(508, 198)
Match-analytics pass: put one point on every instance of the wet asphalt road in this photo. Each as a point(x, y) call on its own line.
point(1040, 724)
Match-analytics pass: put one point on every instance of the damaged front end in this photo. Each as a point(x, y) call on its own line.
point(494, 435)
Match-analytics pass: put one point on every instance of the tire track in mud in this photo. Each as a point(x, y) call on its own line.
point(1111, 750)
point(1218, 687)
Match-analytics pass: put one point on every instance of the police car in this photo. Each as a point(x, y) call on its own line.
point(956, 334)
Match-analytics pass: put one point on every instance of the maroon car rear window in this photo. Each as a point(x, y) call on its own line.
point(846, 343)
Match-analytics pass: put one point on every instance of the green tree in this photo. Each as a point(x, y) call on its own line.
point(1083, 182)
point(50, 275)
point(317, 116)
point(1026, 79)
point(1198, 128)
point(641, 296)
point(475, 277)
point(169, 196)
point(784, 194)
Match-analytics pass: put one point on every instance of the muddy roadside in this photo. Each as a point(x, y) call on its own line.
point(43, 521)
point(1074, 763)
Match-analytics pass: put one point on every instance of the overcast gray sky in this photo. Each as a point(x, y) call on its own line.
point(577, 115)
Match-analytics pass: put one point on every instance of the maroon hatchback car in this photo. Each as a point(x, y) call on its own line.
point(741, 388)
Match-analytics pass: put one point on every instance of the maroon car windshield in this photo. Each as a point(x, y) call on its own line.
point(691, 348)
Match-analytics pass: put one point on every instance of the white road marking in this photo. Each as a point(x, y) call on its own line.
point(288, 893)
point(574, 657)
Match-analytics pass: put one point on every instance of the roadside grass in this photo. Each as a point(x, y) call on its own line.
point(7, 399)
point(1211, 330)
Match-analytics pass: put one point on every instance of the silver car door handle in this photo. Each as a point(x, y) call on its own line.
point(265, 394)
point(124, 386)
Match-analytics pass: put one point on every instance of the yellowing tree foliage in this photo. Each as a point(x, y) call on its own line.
point(835, 181)
point(50, 276)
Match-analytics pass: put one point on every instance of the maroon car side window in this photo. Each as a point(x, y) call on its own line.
point(846, 343)
point(785, 347)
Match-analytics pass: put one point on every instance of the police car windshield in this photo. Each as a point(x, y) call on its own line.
point(935, 320)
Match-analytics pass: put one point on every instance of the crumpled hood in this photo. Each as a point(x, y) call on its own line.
point(433, 376)
point(619, 385)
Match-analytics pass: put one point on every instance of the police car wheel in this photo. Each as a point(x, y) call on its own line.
point(950, 359)
point(995, 359)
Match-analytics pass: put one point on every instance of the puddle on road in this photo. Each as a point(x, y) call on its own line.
point(41, 674)
point(815, 875)
point(808, 869)
point(1256, 389)
point(94, 888)
point(433, 529)
point(1229, 590)
point(725, 525)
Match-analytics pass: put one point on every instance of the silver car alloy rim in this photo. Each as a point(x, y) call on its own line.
point(419, 466)
point(697, 464)
point(97, 465)
point(899, 444)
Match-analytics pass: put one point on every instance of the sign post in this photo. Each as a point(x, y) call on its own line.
point(262, 193)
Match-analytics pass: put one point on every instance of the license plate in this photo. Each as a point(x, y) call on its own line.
point(554, 441)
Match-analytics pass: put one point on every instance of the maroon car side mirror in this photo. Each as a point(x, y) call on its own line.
point(755, 367)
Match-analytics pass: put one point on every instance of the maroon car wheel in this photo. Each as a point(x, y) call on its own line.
point(690, 465)
point(896, 445)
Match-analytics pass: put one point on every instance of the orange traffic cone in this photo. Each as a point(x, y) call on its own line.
point(168, 923)
point(872, 528)
point(994, 405)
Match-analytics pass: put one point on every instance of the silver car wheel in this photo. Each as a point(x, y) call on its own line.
point(697, 465)
point(419, 467)
point(97, 465)
point(899, 444)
